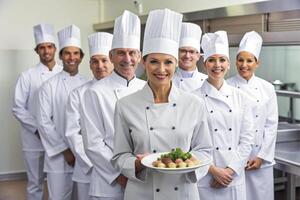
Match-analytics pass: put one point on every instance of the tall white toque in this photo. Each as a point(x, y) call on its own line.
point(251, 42)
point(215, 43)
point(43, 33)
point(69, 36)
point(127, 31)
point(190, 36)
point(162, 32)
point(100, 43)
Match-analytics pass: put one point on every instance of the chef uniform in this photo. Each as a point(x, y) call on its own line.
point(143, 126)
point(259, 183)
point(99, 44)
point(189, 80)
point(52, 98)
point(98, 111)
point(24, 103)
point(230, 124)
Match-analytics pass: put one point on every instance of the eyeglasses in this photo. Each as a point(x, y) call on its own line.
point(185, 51)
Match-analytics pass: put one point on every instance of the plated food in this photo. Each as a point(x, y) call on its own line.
point(176, 159)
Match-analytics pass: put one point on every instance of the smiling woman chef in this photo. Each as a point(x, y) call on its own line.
point(158, 118)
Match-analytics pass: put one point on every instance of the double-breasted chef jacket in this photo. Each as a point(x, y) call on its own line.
point(141, 126)
point(52, 97)
point(98, 130)
point(24, 103)
point(265, 115)
point(83, 166)
point(231, 128)
point(189, 84)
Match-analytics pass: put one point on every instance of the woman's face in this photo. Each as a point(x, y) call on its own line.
point(216, 66)
point(159, 68)
point(246, 64)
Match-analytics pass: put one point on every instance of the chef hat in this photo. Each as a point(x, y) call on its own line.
point(69, 36)
point(100, 43)
point(251, 42)
point(162, 32)
point(190, 36)
point(43, 33)
point(215, 43)
point(127, 31)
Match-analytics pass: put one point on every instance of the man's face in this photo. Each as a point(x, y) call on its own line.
point(188, 58)
point(101, 66)
point(125, 61)
point(46, 52)
point(71, 59)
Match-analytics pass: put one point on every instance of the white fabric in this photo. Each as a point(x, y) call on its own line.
point(34, 163)
point(25, 102)
point(145, 127)
point(100, 43)
point(231, 128)
point(52, 100)
point(251, 42)
point(83, 165)
point(127, 31)
point(162, 32)
point(190, 35)
point(81, 191)
point(69, 36)
point(189, 84)
point(43, 33)
point(98, 130)
point(228, 193)
point(107, 198)
point(60, 186)
point(265, 115)
point(215, 43)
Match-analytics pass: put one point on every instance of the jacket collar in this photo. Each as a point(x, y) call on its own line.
point(44, 68)
point(121, 80)
point(242, 81)
point(211, 91)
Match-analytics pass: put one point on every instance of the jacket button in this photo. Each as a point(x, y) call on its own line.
point(151, 128)
point(174, 104)
point(257, 100)
point(256, 131)
point(216, 129)
point(256, 115)
point(227, 96)
point(256, 88)
point(238, 87)
point(154, 151)
point(217, 148)
point(181, 79)
point(201, 79)
point(176, 188)
point(206, 95)
point(230, 110)
point(211, 111)
point(147, 107)
point(130, 130)
point(256, 145)
point(157, 190)
point(230, 129)
point(229, 148)
point(173, 127)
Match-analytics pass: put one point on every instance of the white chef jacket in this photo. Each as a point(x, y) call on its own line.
point(52, 100)
point(189, 83)
point(145, 127)
point(24, 103)
point(83, 165)
point(230, 123)
point(265, 115)
point(98, 130)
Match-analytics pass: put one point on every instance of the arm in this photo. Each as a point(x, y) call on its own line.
point(94, 136)
point(267, 151)
point(52, 141)
point(73, 129)
point(20, 104)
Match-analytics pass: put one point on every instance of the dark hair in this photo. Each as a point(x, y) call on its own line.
point(37, 46)
point(145, 57)
point(81, 52)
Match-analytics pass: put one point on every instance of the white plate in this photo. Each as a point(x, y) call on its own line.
point(148, 160)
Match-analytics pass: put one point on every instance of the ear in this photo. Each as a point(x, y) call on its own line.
point(110, 55)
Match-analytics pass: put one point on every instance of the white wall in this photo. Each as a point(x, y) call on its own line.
point(16, 54)
point(113, 8)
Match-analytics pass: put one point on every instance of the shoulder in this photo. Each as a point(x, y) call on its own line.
point(265, 83)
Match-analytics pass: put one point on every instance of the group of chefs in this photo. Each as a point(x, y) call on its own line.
point(89, 136)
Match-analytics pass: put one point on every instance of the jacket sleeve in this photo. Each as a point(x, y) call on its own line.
point(123, 159)
point(94, 134)
point(73, 129)
point(52, 141)
point(267, 150)
point(246, 138)
point(201, 145)
point(20, 107)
